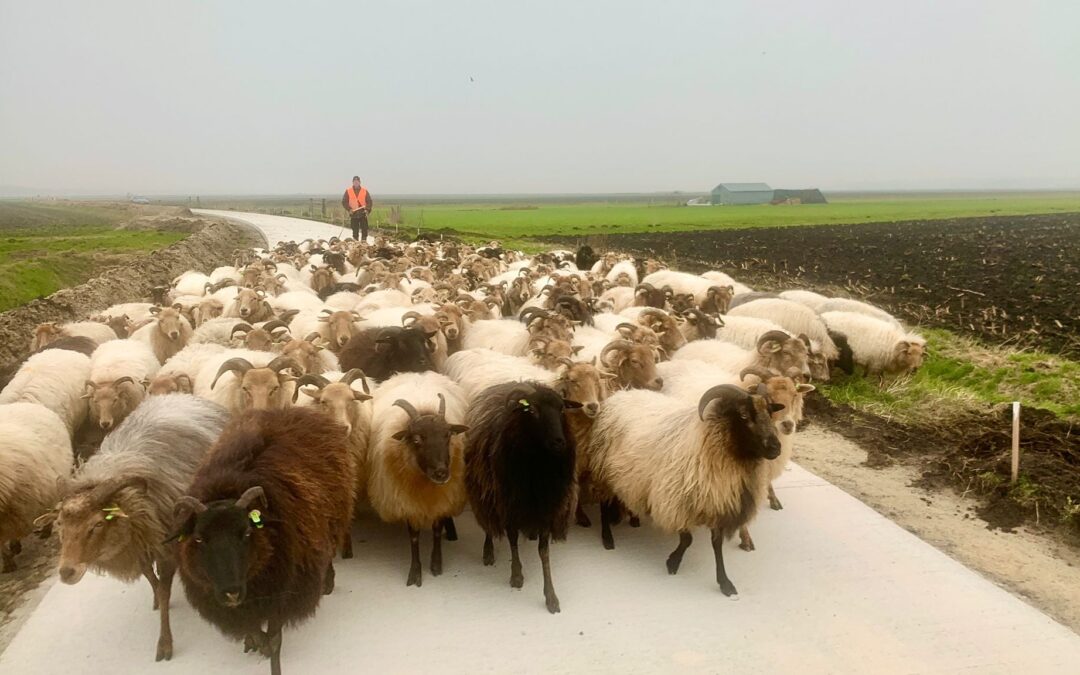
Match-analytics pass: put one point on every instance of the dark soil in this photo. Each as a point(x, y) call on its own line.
point(212, 245)
point(973, 453)
point(1005, 279)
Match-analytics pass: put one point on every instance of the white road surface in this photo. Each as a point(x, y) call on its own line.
point(834, 587)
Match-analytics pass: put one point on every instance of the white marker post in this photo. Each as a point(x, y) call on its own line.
point(1016, 442)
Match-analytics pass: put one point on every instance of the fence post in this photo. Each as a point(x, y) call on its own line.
point(1015, 441)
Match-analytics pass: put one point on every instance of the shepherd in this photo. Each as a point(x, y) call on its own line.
point(357, 201)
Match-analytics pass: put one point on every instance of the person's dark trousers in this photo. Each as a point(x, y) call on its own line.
point(359, 225)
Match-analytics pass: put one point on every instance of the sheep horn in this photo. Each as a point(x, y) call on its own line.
point(272, 325)
point(249, 496)
point(282, 362)
point(125, 378)
point(726, 393)
point(407, 407)
point(238, 364)
point(241, 328)
point(654, 311)
point(326, 312)
point(760, 371)
point(188, 505)
point(777, 335)
point(565, 360)
point(356, 374)
point(648, 287)
point(414, 315)
point(614, 345)
point(442, 405)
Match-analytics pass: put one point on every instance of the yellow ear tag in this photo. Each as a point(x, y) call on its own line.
point(524, 403)
point(113, 512)
point(256, 518)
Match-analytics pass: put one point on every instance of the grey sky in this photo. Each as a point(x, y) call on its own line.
point(270, 97)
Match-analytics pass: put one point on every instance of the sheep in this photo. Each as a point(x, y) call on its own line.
point(218, 331)
point(717, 299)
point(250, 305)
point(177, 375)
point(191, 283)
point(745, 331)
point(267, 337)
point(858, 307)
point(699, 325)
point(809, 298)
point(633, 364)
point(501, 335)
point(743, 298)
point(305, 301)
point(663, 324)
point(118, 509)
point(167, 334)
point(261, 522)
point(547, 353)
point(623, 269)
point(382, 352)
point(776, 351)
point(620, 297)
point(336, 327)
point(48, 332)
point(311, 355)
point(119, 373)
point(647, 295)
point(793, 317)
point(722, 279)
point(683, 282)
point(417, 459)
point(686, 466)
point(520, 471)
point(478, 369)
point(879, 346)
point(35, 454)
point(56, 379)
point(238, 379)
point(136, 312)
point(82, 345)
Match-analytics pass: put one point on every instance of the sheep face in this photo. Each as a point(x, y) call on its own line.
point(44, 334)
point(582, 383)
point(305, 353)
point(249, 303)
point(633, 364)
point(121, 325)
point(718, 299)
point(321, 277)
point(208, 308)
point(697, 325)
point(748, 418)
point(111, 402)
point(223, 543)
point(427, 436)
point(170, 324)
point(340, 326)
point(340, 401)
point(665, 327)
point(101, 523)
point(784, 354)
point(263, 389)
point(907, 356)
point(550, 353)
point(178, 383)
point(451, 321)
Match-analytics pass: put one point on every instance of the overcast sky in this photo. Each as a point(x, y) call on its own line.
point(505, 96)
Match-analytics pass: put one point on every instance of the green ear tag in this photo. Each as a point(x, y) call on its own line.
point(524, 403)
point(256, 518)
point(112, 512)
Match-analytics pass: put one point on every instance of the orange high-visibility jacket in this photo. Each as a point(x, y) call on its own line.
point(357, 200)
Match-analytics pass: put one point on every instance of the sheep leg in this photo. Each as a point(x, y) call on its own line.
point(726, 587)
point(745, 542)
point(581, 517)
point(166, 570)
point(675, 559)
point(346, 547)
point(148, 572)
point(550, 599)
point(436, 548)
point(450, 529)
point(774, 501)
point(517, 579)
point(328, 580)
point(489, 551)
point(609, 515)
point(8, 553)
point(415, 572)
point(273, 643)
point(635, 521)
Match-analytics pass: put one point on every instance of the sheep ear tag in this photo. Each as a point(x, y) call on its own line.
point(255, 516)
point(113, 512)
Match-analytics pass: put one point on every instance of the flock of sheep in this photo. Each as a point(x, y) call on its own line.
point(248, 413)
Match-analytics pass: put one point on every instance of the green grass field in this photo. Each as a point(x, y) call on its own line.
point(515, 222)
point(46, 247)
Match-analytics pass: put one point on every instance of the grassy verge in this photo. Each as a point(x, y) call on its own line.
point(46, 247)
point(954, 422)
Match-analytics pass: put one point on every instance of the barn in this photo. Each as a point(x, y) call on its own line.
point(742, 193)
point(804, 196)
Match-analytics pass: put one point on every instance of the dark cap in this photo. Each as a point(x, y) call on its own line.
point(356, 177)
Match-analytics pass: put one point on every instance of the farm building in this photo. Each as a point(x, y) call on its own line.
point(742, 193)
point(808, 196)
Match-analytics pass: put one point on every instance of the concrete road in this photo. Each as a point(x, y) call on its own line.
point(834, 587)
point(281, 228)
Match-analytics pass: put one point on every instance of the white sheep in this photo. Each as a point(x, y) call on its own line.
point(240, 379)
point(35, 456)
point(55, 379)
point(858, 307)
point(745, 330)
point(722, 279)
point(190, 283)
point(48, 332)
point(879, 346)
point(136, 312)
point(809, 298)
point(795, 318)
point(477, 369)
point(119, 373)
point(681, 282)
point(623, 267)
point(507, 336)
point(301, 300)
point(686, 465)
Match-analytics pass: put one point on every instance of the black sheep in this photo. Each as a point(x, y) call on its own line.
point(382, 352)
point(520, 471)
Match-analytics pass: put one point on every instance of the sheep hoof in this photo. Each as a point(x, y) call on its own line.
point(583, 519)
point(517, 580)
point(673, 564)
point(415, 580)
point(747, 546)
point(775, 504)
point(635, 521)
point(436, 568)
point(164, 650)
point(552, 602)
point(489, 558)
point(728, 589)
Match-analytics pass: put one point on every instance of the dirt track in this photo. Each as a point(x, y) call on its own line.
point(1009, 278)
